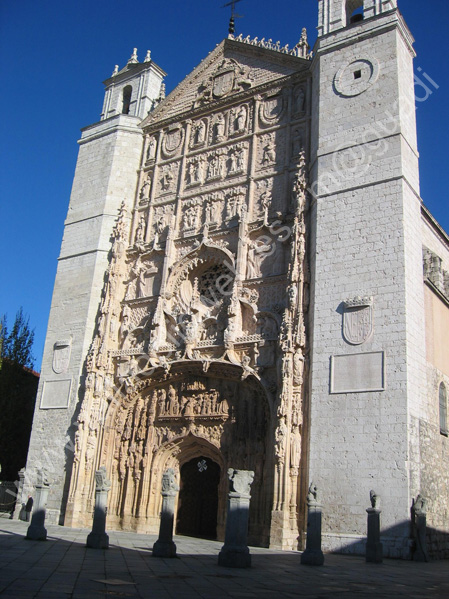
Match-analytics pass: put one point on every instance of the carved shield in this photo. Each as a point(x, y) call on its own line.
point(61, 356)
point(273, 107)
point(357, 323)
point(223, 83)
point(172, 141)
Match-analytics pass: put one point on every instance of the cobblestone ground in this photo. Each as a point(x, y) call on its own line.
point(62, 568)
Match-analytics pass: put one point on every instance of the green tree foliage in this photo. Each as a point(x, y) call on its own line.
point(18, 386)
point(17, 345)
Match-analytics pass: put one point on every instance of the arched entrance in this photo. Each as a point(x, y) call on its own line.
point(198, 498)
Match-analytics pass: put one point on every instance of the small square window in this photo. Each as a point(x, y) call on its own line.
point(357, 74)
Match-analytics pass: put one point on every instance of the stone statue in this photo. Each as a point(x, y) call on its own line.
point(241, 118)
point(219, 128)
point(375, 499)
point(140, 231)
point(169, 483)
point(241, 481)
point(312, 495)
point(102, 483)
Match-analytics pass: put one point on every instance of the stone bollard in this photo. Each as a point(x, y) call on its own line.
point(36, 530)
point(98, 539)
point(374, 549)
point(419, 521)
point(235, 551)
point(313, 556)
point(165, 546)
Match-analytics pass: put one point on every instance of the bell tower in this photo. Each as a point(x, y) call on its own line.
point(367, 355)
point(338, 14)
point(105, 179)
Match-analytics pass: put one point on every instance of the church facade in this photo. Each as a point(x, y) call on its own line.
point(241, 285)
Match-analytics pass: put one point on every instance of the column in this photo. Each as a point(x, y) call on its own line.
point(164, 546)
point(98, 539)
point(235, 551)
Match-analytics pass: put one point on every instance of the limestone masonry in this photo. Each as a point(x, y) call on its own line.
point(249, 280)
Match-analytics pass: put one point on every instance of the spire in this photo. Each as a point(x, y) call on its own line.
point(303, 45)
point(148, 56)
point(133, 59)
point(115, 71)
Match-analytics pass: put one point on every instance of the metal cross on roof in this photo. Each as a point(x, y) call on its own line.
point(233, 15)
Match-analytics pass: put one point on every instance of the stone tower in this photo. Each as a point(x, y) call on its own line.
point(105, 177)
point(367, 326)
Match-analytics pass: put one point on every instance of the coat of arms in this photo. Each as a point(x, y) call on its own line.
point(61, 356)
point(223, 83)
point(358, 320)
point(271, 109)
point(172, 141)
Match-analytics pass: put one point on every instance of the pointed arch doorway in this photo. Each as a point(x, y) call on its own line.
point(198, 498)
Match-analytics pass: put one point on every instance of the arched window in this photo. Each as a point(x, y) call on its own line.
point(443, 409)
point(354, 11)
point(127, 91)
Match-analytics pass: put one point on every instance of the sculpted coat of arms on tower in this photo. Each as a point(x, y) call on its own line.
point(357, 320)
point(61, 356)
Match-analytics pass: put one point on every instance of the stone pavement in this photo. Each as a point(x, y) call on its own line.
point(62, 567)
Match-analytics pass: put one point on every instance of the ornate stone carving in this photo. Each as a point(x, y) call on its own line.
point(271, 109)
point(167, 177)
point(61, 356)
point(145, 190)
point(172, 141)
point(228, 78)
point(358, 320)
point(151, 149)
point(299, 100)
point(241, 481)
point(102, 483)
point(199, 133)
point(194, 171)
point(268, 150)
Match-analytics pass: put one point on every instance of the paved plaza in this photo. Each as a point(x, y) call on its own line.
point(63, 568)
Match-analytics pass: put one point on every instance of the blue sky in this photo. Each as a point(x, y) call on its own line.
point(53, 58)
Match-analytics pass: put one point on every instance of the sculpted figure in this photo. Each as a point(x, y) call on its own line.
point(220, 128)
point(269, 154)
point(151, 152)
point(299, 100)
point(140, 231)
point(241, 118)
point(200, 132)
point(145, 190)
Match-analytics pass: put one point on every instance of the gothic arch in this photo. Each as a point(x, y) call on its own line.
point(175, 417)
point(204, 255)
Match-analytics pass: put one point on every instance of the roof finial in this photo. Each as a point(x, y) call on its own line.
point(133, 58)
point(234, 16)
point(303, 45)
point(114, 73)
point(148, 56)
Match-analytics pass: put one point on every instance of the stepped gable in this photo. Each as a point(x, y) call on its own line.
point(233, 68)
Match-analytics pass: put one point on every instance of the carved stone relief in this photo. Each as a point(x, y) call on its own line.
point(61, 356)
point(194, 171)
point(145, 190)
point(228, 78)
point(299, 100)
point(172, 141)
point(238, 120)
point(271, 109)
point(199, 133)
point(151, 149)
point(168, 176)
